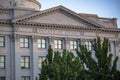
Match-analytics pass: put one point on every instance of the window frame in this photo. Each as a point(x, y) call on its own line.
point(25, 77)
point(73, 44)
point(2, 42)
point(40, 62)
point(41, 43)
point(58, 44)
point(25, 62)
point(2, 62)
point(89, 45)
point(24, 42)
point(2, 77)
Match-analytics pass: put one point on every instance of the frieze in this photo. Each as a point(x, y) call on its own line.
point(62, 32)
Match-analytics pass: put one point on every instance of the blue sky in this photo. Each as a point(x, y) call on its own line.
point(103, 8)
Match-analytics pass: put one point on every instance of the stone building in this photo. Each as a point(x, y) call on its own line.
point(26, 32)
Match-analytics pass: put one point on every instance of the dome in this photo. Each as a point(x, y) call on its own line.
point(33, 4)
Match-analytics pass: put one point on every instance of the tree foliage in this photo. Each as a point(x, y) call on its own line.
point(102, 66)
point(60, 66)
point(65, 66)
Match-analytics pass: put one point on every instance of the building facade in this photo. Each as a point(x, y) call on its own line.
point(26, 32)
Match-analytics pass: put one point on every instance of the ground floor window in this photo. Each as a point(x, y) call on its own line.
point(2, 78)
point(40, 60)
point(25, 78)
point(2, 62)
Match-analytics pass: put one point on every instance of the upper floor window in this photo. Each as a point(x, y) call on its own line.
point(58, 44)
point(2, 78)
point(2, 62)
point(24, 42)
point(41, 43)
point(73, 44)
point(88, 45)
point(25, 62)
point(25, 78)
point(2, 41)
point(40, 60)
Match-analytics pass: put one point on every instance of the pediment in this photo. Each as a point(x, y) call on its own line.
point(58, 15)
point(57, 18)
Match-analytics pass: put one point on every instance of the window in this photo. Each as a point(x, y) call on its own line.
point(25, 78)
point(73, 44)
point(25, 62)
point(2, 62)
point(2, 41)
point(40, 60)
point(119, 50)
point(24, 42)
point(58, 44)
point(109, 47)
point(41, 43)
point(88, 45)
point(2, 78)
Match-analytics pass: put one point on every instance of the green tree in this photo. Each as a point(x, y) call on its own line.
point(60, 66)
point(101, 67)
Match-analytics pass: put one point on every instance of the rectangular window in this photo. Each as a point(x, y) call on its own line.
point(40, 60)
point(2, 41)
point(24, 42)
point(2, 78)
point(73, 44)
point(109, 47)
point(88, 45)
point(25, 78)
point(58, 44)
point(2, 62)
point(41, 43)
point(25, 62)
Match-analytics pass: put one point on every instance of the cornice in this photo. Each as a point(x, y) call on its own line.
point(46, 25)
point(72, 27)
point(5, 22)
point(4, 11)
point(55, 9)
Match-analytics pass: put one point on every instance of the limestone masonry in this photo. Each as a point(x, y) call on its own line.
point(26, 32)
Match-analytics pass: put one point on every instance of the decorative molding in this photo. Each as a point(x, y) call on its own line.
point(58, 9)
point(4, 11)
point(72, 27)
point(35, 30)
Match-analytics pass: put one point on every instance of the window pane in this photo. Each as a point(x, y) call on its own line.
point(21, 45)
point(39, 40)
point(26, 59)
point(56, 46)
point(21, 40)
point(43, 45)
point(71, 47)
point(75, 47)
point(2, 78)
point(22, 78)
point(39, 45)
point(1, 44)
point(2, 59)
point(22, 65)
point(43, 40)
point(75, 43)
point(26, 65)
point(71, 42)
point(59, 47)
point(1, 65)
point(26, 39)
point(26, 45)
point(1, 39)
point(59, 42)
point(27, 78)
point(55, 41)
point(22, 59)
